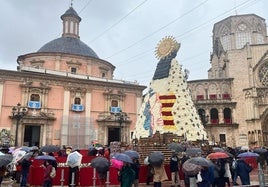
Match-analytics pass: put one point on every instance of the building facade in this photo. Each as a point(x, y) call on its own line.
point(232, 102)
point(69, 95)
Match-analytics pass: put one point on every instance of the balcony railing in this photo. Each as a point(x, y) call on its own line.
point(228, 121)
point(34, 104)
point(115, 110)
point(77, 108)
point(214, 121)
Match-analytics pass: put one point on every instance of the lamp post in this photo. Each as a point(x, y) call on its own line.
point(17, 113)
point(121, 117)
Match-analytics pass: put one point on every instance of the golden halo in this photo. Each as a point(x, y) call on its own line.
point(166, 46)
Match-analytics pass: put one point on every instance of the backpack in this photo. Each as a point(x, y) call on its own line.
point(53, 173)
point(234, 164)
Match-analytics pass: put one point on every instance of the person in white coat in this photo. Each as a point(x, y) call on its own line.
point(227, 174)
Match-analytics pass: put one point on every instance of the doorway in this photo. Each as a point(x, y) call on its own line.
point(31, 135)
point(113, 135)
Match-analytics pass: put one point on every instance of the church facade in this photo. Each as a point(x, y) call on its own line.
point(232, 102)
point(68, 95)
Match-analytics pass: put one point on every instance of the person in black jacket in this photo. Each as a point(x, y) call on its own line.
point(136, 167)
point(174, 169)
point(243, 170)
point(25, 168)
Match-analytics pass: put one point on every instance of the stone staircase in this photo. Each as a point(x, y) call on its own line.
point(158, 142)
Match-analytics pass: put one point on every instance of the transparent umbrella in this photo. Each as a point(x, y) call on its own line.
point(74, 159)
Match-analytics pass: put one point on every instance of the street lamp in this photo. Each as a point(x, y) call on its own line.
point(17, 113)
point(121, 117)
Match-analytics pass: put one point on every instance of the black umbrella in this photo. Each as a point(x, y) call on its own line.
point(50, 148)
point(156, 158)
point(101, 164)
point(176, 147)
point(5, 159)
point(218, 149)
point(259, 150)
point(200, 161)
point(45, 157)
point(194, 151)
point(132, 153)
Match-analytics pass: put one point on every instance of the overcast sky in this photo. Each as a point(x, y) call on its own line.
point(123, 32)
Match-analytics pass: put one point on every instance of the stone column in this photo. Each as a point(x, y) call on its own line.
point(65, 118)
point(88, 126)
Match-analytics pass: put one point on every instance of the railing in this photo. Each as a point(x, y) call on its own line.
point(85, 175)
point(70, 74)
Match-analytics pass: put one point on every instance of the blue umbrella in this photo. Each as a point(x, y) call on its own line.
point(45, 157)
point(123, 157)
point(248, 154)
point(132, 154)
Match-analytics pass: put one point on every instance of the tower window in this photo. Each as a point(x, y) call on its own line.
point(114, 103)
point(35, 97)
point(73, 70)
point(77, 101)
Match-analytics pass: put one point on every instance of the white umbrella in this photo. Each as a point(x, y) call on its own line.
point(74, 159)
point(18, 155)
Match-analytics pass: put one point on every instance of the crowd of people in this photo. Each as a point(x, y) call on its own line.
point(221, 172)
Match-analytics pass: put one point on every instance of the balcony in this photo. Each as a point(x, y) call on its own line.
point(34, 104)
point(77, 108)
point(214, 121)
point(200, 97)
point(228, 121)
point(226, 96)
point(213, 96)
point(115, 110)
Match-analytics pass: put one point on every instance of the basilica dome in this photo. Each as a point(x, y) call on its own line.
point(70, 42)
point(69, 45)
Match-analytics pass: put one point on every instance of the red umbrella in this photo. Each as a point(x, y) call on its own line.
point(217, 155)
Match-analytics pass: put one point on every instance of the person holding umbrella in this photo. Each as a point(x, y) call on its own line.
point(160, 175)
point(47, 170)
point(25, 168)
point(136, 168)
point(156, 158)
point(174, 169)
point(126, 175)
point(243, 170)
point(102, 165)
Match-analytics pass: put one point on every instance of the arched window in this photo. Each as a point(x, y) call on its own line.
point(227, 115)
point(114, 107)
point(77, 101)
point(114, 103)
point(35, 101)
point(214, 116)
point(35, 97)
